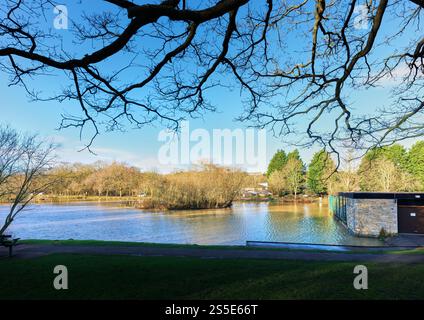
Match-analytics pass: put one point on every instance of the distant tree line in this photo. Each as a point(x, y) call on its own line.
point(386, 169)
point(28, 169)
point(98, 179)
point(206, 186)
point(391, 168)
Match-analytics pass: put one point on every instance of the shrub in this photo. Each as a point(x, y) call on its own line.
point(210, 187)
point(383, 234)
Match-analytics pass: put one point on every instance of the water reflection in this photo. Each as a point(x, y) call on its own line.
point(307, 223)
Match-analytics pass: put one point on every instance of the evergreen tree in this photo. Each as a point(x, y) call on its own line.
point(415, 162)
point(319, 170)
point(294, 155)
point(397, 154)
point(277, 162)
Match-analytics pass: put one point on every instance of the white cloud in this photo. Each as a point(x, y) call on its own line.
point(395, 77)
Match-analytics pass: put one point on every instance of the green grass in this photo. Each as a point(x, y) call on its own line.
point(408, 251)
point(129, 277)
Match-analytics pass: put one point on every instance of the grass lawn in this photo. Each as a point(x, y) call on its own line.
point(409, 251)
point(129, 277)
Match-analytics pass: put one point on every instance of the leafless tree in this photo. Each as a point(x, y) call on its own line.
point(293, 172)
point(24, 161)
point(386, 176)
point(296, 63)
point(319, 91)
point(277, 182)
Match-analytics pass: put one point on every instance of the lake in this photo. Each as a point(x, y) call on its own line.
point(305, 223)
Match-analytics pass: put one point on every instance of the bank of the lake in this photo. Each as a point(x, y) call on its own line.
point(419, 250)
point(132, 201)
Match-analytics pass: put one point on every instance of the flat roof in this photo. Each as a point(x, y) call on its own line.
point(382, 195)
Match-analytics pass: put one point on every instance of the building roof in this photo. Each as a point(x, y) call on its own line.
point(382, 195)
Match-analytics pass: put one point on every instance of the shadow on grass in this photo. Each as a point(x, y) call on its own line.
point(129, 277)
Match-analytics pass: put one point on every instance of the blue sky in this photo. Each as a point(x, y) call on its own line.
point(137, 147)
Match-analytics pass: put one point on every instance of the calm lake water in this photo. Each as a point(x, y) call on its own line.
point(306, 223)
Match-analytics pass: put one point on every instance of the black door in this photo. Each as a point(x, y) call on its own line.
point(411, 219)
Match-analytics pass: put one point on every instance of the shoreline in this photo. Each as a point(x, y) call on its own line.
point(112, 199)
point(357, 250)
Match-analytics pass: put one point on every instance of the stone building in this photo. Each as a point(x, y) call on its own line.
point(373, 213)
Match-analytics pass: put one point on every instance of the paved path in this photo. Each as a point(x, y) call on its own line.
point(406, 240)
point(32, 251)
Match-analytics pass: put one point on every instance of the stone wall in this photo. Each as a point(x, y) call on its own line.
point(367, 217)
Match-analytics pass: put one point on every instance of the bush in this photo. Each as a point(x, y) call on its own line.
point(383, 234)
point(209, 187)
